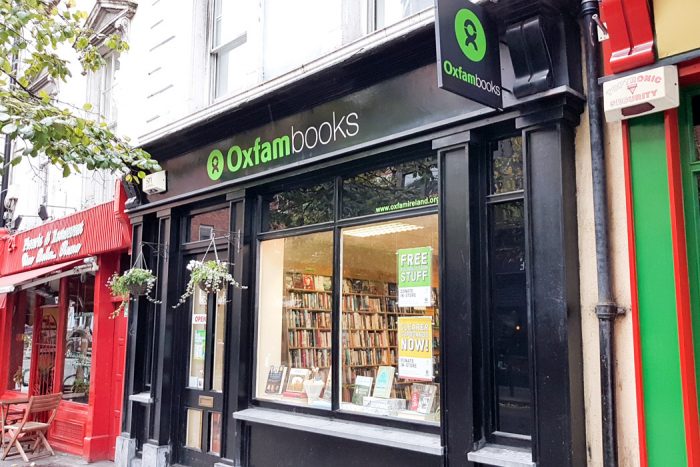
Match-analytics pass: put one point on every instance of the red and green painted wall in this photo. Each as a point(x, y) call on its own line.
point(662, 172)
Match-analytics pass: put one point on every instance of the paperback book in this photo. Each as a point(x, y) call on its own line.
point(275, 379)
point(363, 387)
point(295, 382)
point(385, 382)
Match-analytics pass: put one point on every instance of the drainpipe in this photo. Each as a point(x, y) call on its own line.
point(606, 310)
point(7, 157)
point(5, 177)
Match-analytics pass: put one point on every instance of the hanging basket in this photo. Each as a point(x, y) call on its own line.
point(210, 288)
point(136, 290)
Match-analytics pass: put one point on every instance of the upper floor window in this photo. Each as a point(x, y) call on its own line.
point(255, 41)
point(101, 87)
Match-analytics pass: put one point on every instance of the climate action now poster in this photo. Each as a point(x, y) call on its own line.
point(415, 267)
point(415, 338)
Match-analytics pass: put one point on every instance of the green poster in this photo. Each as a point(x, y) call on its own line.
point(200, 338)
point(414, 274)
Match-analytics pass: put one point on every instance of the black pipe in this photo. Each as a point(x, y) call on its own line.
point(5, 177)
point(606, 310)
point(7, 156)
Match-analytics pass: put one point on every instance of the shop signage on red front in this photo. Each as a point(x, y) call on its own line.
point(54, 244)
point(641, 93)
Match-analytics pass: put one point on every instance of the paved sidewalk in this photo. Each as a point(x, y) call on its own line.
point(59, 460)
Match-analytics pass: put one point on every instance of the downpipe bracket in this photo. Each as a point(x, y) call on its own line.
point(608, 311)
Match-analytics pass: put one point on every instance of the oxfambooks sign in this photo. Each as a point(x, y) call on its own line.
point(337, 127)
point(468, 52)
point(393, 108)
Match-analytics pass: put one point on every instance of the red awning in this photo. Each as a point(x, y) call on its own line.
point(3, 301)
point(11, 282)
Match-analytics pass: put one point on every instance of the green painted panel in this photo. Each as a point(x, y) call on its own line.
point(691, 174)
point(663, 404)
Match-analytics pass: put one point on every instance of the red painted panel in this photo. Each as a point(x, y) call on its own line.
point(680, 259)
point(689, 73)
point(631, 42)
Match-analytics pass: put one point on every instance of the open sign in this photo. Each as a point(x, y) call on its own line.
point(199, 319)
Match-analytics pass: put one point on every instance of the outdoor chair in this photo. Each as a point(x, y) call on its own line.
point(31, 430)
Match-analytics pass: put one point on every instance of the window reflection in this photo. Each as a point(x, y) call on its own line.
point(395, 187)
point(301, 206)
point(507, 165)
point(208, 224)
point(79, 326)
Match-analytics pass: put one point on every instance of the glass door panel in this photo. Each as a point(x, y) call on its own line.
point(202, 434)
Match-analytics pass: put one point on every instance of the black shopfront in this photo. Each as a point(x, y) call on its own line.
point(327, 198)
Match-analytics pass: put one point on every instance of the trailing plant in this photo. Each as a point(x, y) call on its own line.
point(209, 276)
point(133, 282)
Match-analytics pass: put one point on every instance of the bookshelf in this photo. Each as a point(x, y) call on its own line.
point(306, 338)
point(369, 321)
point(370, 315)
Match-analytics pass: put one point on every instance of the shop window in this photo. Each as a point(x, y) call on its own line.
point(205, 225)
point(79, 327)
point(21, 343)
point(391, 188)
point(294, 319)
point(298, 207)
point(385, 297)
point(508, 324)
point(390, 319)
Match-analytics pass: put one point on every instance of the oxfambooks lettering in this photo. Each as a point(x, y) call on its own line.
point(470, 78)
point(264, 152)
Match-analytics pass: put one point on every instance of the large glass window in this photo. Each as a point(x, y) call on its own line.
point(294, 319)
point(390, 319)
point(79, 325)
point(256, 41)
point(21, 342)
point(387, 288)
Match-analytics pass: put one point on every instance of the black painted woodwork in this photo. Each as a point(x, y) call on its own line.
point(547, 124)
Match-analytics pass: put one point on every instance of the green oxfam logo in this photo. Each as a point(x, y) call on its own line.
point(215, 164)
point(470, 35)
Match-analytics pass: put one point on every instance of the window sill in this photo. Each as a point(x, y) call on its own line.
point(142, 398)
point(391, 437)
point(504, 456)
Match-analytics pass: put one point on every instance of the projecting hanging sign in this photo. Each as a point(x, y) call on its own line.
point(468, 53)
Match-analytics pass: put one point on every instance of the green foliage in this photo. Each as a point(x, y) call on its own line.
point(134, 281)
point(34, 31)
point(210, 276)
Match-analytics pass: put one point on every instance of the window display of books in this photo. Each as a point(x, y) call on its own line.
point(369, 352)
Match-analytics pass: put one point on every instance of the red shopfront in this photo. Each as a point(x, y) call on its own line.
point(56, 334)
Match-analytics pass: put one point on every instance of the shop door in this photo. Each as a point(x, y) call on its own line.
point(203, 398)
